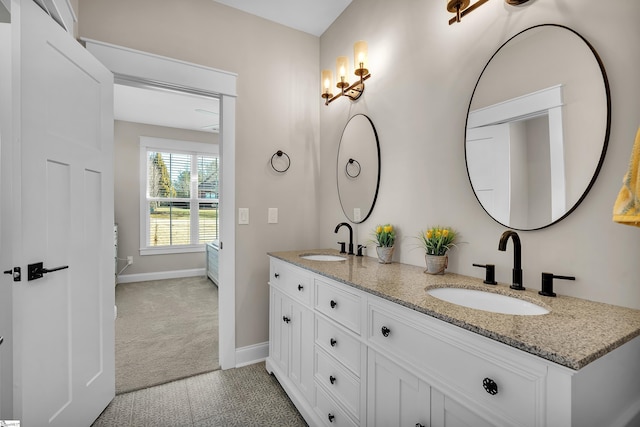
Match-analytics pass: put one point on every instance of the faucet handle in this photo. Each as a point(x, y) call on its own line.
point(360, 248)
point(490, 276)
point(342, 250)
point(547, 283)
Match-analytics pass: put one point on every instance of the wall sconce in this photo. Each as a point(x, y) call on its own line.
point(353, 91)
point(461, 7)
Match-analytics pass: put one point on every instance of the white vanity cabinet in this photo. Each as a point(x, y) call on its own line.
point(347, 357)
point(291, 328)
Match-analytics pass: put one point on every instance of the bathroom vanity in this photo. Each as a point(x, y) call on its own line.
point(355, 342)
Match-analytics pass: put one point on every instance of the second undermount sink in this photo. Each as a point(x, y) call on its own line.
point(322, 257)
point(487, 301)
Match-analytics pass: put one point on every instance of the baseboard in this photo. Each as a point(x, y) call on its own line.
point(160, 275)
point(251, 354)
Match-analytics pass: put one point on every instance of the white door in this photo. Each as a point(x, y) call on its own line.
point(63, 322)
point(488, 159)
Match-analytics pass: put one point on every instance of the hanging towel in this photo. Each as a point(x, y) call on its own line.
point(627, 207)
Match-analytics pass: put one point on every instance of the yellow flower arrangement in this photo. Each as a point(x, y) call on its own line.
point(437, 240)
point(385, 235)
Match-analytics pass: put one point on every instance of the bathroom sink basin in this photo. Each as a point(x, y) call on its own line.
point(322, 257)
point(487, 301)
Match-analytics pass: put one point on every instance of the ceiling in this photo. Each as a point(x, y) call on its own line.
point(310, 16)
point(177, 110)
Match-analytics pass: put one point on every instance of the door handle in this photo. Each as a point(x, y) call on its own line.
point(36, 271)
point(1, 340)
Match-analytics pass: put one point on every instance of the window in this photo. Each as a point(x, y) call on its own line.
point(179, 195)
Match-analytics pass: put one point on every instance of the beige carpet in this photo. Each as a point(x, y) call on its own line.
point(165, 330)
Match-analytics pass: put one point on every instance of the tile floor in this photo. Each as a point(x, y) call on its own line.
point(246, 396)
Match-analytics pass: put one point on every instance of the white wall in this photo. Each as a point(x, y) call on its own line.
point(423, 74)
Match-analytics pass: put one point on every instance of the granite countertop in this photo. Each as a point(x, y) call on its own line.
point(574, 333)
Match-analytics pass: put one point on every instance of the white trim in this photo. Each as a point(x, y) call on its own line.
point(227, 253)
point(164, 250)
point(126, 62)
point(252, 354)
point(176, 145)
point(192, 78)
point(529, 105)
point(161, 275)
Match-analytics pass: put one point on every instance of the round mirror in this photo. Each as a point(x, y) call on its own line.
point(537, 127)
point(358, 168)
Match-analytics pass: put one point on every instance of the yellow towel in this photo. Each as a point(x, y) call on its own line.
point(627, 207)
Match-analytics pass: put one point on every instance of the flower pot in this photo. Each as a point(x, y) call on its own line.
point(385, 253)
point(436, 264)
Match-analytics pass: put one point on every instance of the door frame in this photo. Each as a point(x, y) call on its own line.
point(133, 66)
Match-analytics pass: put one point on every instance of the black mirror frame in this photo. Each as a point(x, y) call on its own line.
point(606, 137)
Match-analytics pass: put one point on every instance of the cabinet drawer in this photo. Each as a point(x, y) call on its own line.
point(462, 371)
point(292, 281)
point(339, 344)
point(329, 411)
point(339, 305)
point(342, 385)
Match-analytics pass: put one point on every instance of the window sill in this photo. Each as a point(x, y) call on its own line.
point(165, 250)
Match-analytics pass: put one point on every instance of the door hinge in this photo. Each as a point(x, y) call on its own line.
point(16, 272)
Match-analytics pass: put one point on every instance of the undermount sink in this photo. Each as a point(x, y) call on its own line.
point(487, 301)
point(322, 257)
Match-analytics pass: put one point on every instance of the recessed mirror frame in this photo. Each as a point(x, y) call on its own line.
point(341, 169)
point(607, 131)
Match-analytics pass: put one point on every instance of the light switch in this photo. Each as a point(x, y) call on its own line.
point(243, 216)
point(273, 216)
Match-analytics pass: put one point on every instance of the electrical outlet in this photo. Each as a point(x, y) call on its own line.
point(129, 260)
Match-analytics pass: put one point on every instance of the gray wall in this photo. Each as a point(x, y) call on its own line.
point(277, 109)
point(127, 197)
point(423, 74)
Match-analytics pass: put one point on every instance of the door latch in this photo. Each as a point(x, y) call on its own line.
point(15, 272)
point(36, 271)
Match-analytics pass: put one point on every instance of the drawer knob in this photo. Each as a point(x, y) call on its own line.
point(333, 304)
point(300, 287)
point(331, 417)
point(490, 386)
point(277, 275)
point(286, 319)
point(419, 425)
point(333, 342)
point(385, 331)
point(332, 379)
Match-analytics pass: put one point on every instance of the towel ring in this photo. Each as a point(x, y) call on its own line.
point(352, 162)
point(281, 153)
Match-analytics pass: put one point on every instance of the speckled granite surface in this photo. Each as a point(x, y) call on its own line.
point(575, 332)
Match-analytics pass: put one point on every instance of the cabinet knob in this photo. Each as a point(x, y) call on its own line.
point(286, 319)
point(490, 386)
point(277, 275)
point(419, 425)
point(333, 342)
point(331, 417)
point(385, 331)
point(333, 304)
point(300, 287)
point(332, 379)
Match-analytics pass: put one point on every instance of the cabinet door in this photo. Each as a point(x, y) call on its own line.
point(395, 397)
point(301, 342)
point(279, 329)
point(446, 412)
